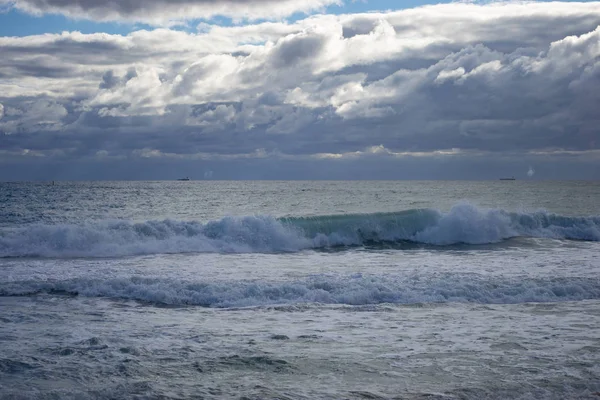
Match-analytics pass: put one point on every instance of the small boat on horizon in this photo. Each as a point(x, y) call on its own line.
point(512, 178)
point(184, 179)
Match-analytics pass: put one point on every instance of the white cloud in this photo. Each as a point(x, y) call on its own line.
point(453, 75)
point(164, 12)
point(513, 78)
point(381, 151)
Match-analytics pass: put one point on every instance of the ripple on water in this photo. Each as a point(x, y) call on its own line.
point(11, 366)
point(256, 363)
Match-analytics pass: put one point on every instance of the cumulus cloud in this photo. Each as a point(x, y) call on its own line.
point(165, 11)
point(380, 86)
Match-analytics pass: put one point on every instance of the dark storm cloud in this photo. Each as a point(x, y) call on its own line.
point(339, 92)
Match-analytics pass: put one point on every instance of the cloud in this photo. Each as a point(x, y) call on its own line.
point(347, 89)
point(40, 114)
point(109, 80)
point(163, 11)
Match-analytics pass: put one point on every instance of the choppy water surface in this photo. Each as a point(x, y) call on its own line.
point(300, 290)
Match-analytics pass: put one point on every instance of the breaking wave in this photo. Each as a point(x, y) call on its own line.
point(353, 290)
point(464, 223)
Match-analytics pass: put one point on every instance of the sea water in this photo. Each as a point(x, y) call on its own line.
point(300, 290)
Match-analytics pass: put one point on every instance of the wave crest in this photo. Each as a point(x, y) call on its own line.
point(464, 223)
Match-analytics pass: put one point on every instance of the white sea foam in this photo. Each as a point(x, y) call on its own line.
point(354, 290)
point(464, 223)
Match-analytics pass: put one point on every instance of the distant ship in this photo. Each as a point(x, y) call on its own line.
point(184, 179)
point(512, 178)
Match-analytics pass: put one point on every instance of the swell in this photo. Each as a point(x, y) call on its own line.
point(464, 223)
point(353, 290)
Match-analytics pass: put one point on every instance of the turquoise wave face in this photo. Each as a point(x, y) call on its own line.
point(463, 224)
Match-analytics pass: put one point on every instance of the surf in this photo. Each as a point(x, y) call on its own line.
point(463, 224)
point(352, 290)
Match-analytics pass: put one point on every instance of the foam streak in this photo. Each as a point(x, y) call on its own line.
point(356, 290)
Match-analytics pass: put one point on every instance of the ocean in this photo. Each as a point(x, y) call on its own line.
point(300, 290)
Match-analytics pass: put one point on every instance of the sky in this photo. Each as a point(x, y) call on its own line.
point(299, 89)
